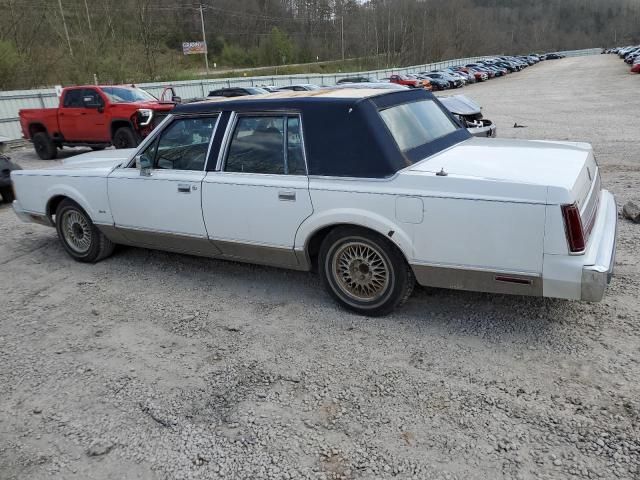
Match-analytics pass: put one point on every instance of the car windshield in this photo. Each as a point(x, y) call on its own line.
point(417, 123)
point(127, 95)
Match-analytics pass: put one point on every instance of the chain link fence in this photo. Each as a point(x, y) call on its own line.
point(11, 102)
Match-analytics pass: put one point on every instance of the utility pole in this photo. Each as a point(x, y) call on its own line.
point(66, 30)
point(342, 35)
point(204, 39)
point(86, 7)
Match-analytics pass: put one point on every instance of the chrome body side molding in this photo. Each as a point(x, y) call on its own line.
point(206, 247)
point(461, 278)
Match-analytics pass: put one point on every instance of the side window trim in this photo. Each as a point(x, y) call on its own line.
point(148, 140)
point(156, 135)
point(302, 143)
point(285, 143)
point(178, 118)
point(231, 127)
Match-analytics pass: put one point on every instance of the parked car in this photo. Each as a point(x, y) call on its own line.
point(96, 117)
point(467, 77)
point(469, 114)
point(354, 80)
point(495, 66)
point(237, 92)
point(636, 67)
point(271, 88)
point(477, 74)
point(553, 56)
point(6, 167)
point(437, 82)
point(237, 179)
point(454, 82)
point(424, 81)
point(482, 68)
point(301, 87)
point(407, 81)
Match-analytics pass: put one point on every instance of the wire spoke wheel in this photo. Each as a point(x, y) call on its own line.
point(361, 271)
point(76, 231)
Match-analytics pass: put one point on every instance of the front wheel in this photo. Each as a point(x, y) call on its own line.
point(364, 271)
point(79, 236)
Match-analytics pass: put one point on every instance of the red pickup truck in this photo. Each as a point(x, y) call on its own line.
point(96, 117)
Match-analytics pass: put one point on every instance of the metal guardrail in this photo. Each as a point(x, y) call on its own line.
point(11, 102)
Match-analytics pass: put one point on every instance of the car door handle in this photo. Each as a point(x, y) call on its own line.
point(184, 188)
point(287, 196)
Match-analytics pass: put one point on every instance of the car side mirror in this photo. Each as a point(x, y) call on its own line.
point(144, 163)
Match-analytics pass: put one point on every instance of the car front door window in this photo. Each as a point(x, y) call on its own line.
point(183, 145)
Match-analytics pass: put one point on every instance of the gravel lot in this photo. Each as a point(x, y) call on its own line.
point(153, 365)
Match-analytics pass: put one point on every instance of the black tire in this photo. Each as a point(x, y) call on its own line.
point(97, 149)
point(90, 244)
point(124, 138)
point(7, 194)
point(44, 146)
point(350, 258)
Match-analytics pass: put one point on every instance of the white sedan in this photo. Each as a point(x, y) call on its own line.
point(376, 189)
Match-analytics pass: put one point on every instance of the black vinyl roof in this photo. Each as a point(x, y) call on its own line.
point(344, 134)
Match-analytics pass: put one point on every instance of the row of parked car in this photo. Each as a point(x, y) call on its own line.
point(630, 54)
point(435, 80)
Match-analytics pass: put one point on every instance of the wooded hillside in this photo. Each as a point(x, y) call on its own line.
point(140, 40)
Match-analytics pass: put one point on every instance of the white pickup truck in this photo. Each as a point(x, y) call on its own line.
point(373, 188)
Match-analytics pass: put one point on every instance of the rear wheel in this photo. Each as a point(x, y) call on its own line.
point(124, 138)
point(7, 194)
point(364, 271)
point(79, 236)
point(44, 146)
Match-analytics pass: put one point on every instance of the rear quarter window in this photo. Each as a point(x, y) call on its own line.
point(417, 123)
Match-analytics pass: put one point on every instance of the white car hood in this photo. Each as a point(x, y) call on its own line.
point(92, 164)
point(533, 162)
point(101, 158)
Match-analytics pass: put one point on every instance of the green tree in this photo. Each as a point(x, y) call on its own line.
point(9, 64)
point(277, 48)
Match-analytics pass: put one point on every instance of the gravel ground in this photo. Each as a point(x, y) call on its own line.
point(153, 365)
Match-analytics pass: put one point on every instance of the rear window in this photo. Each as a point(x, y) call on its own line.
point(417, 123)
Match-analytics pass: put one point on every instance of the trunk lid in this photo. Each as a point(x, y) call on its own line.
point(568, 169)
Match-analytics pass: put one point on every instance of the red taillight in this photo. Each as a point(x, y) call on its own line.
point(573, 228)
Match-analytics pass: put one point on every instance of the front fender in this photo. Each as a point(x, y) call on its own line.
point(72, 193)
point(357, 217)
point(92, 198)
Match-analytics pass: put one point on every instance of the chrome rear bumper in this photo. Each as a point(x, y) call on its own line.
point(597, 276)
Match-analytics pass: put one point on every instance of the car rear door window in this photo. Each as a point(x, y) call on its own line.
point(184, 144)
point(266, 145)
point(73, 99)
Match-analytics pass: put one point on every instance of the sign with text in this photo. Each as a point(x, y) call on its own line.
point(191, 48)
